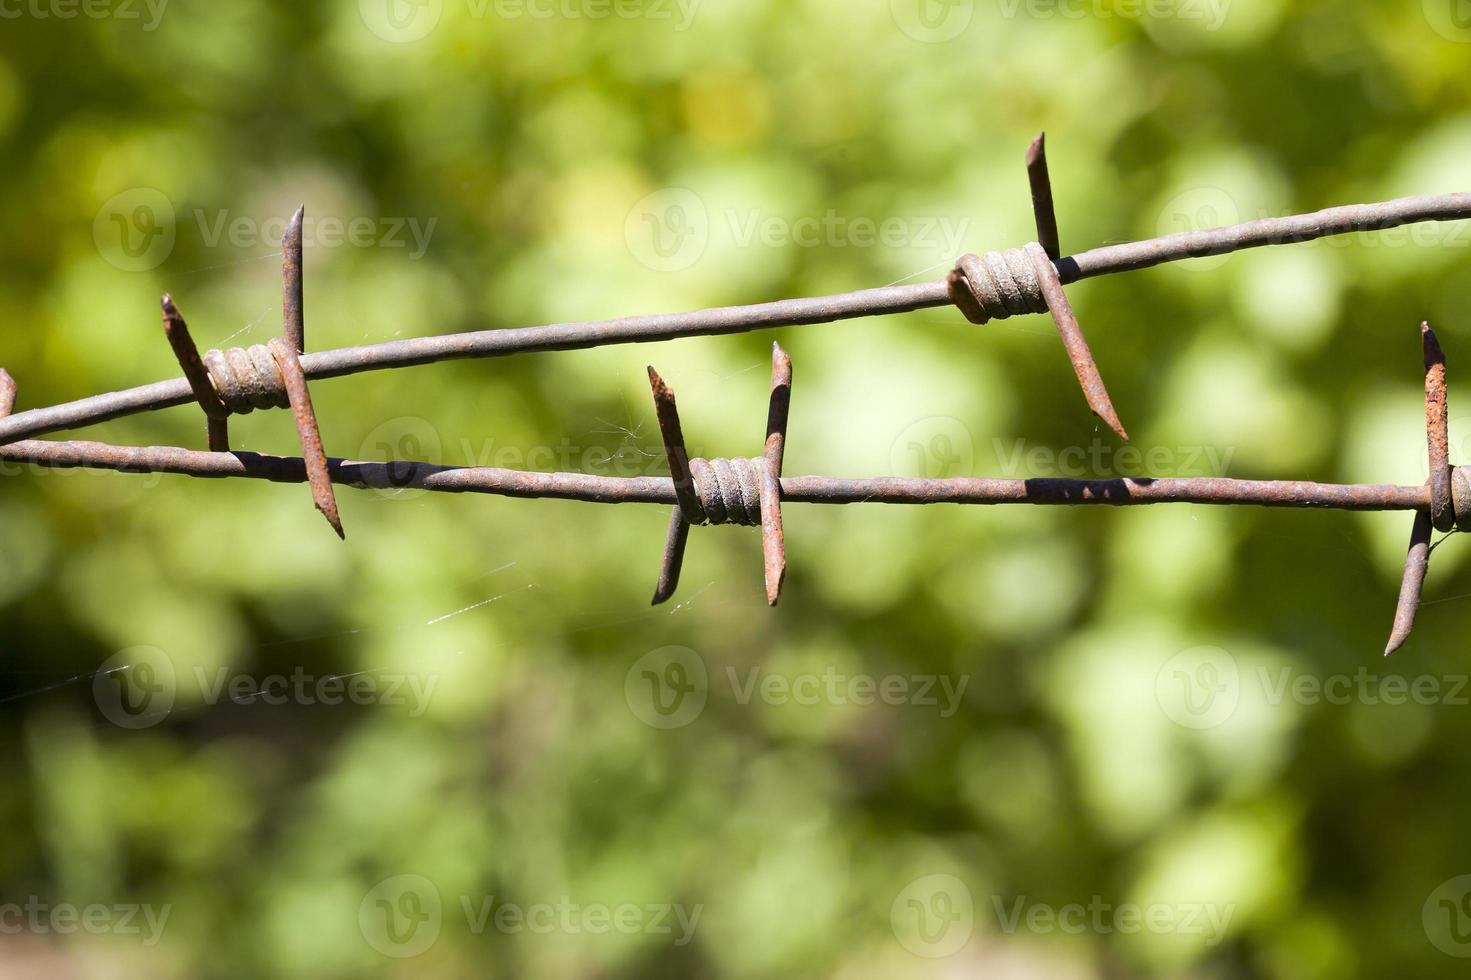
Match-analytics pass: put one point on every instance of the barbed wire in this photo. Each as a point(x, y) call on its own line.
point(742, 490)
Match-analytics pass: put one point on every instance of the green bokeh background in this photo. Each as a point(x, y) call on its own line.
point(562, 165)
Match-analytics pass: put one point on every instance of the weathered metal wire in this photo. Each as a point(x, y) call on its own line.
point(1105, 260)
point(751, 490)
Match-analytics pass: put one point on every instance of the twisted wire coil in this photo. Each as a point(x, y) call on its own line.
point(729, 490)
point(997, 285)
point(246, 379)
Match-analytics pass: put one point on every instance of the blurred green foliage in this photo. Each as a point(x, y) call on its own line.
point(472, 164)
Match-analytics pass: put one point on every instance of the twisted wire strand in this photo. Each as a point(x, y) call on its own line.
point(247, 378)
point(997, 285)
point(729, 490)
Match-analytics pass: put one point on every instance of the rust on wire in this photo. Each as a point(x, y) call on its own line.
point(741, 490)
point(1042, 211)
point(773, 538)
point(726, 491)
point(1417, 562)
point(293, 309)
point(307, 431)
point(1076, 345)
point(215, 411)
point(993, 286)
point(1442, 514)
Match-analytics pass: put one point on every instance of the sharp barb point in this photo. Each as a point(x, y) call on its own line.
point(674, 545)
point(1076, 345)
point(308, 432)
point(1417, 561)
point(1043, 210)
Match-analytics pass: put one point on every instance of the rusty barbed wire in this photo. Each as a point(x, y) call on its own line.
point(741, 490)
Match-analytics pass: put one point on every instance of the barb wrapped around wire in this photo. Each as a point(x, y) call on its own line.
point(727, 491)
point(239, 381)
point(751, 491)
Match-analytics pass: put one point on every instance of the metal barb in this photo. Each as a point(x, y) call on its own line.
point(1417, 560)
point(500, 342)
point(215, 413)
point(7, 393)
point(773, 539)
point(293, 309)
point(307, 431)
point(673, 561)
point(1075, 344)
point(736, 485)
point(667, 411)
point(1042, 209)
point(1437, 437)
